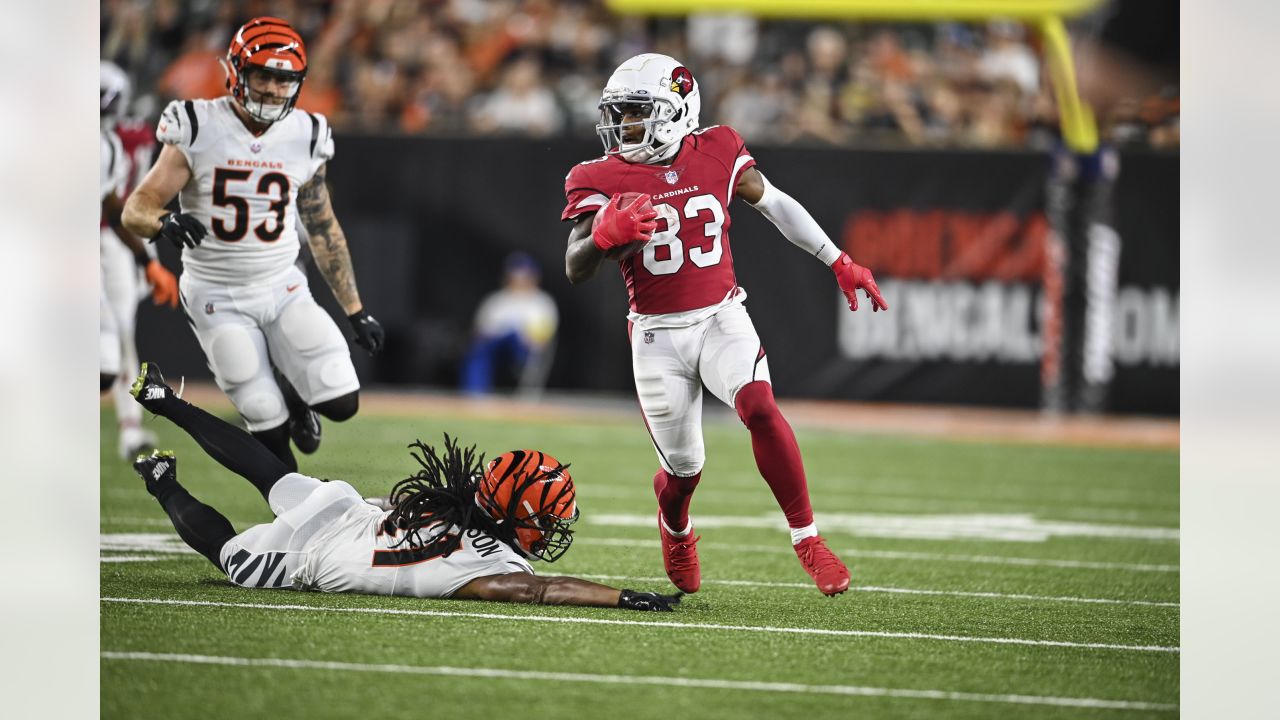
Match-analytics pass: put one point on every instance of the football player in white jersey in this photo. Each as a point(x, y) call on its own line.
point(457, 528)
point(123, 254)
point(246, 169)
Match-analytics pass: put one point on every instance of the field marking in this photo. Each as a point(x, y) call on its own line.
point(1002, 527)
point(902, 591)
point(165, 547)
point(171, 544)
point(652, 623)
point(906, 555)
point(700, 683)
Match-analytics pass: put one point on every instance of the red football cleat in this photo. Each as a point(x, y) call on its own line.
point(831, 576)
point(680, 557)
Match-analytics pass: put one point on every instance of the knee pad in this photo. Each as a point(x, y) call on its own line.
point(332, 372)
point(260, 404)
point(340, 408)
point(305, 325)
point(686, 465)
point(234, 355)
point(755, 403)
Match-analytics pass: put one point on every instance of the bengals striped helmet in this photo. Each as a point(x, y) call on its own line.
point(533, 492)
point(266, 47)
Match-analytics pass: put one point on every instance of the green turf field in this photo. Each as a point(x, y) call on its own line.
point(989, 581)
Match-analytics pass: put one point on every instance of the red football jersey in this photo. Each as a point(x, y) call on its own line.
point(139, 141)
point(688, 264)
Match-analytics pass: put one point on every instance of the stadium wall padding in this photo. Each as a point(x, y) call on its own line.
point(956, 239)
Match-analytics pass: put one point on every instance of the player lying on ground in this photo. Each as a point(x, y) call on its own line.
point(657, 202)
point(454, 531)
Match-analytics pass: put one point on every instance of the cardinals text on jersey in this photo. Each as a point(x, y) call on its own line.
point(688, 264)
point(243, 187)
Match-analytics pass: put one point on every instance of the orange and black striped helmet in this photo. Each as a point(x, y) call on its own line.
point(267, 45)
point(532, 491)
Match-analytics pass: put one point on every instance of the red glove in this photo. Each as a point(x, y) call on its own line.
point(164, 286)
point(617, 225)
point(852, 276)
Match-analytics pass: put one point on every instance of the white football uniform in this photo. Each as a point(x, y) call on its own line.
point(327, 538)
point(671, 363)
point(123, 285)
point(249, 304)
point(113, 169)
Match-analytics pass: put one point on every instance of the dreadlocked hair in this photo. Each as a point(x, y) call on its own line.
point(441, 493)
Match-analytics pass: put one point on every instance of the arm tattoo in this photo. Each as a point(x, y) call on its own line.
point(328, 242)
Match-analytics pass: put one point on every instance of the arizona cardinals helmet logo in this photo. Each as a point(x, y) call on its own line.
point(681, 81)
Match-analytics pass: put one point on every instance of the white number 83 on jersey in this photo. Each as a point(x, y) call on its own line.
point(670, 237)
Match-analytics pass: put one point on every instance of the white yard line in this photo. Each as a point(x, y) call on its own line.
point(651, 623)
point(685, 682)
point(902, 555)
point(903, 591)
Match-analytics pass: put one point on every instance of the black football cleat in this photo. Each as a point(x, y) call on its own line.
point(150, 388)
point(304, 423)
point(159, 467)
point(304, 429)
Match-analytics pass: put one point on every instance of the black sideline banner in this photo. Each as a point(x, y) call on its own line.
point(958, 242)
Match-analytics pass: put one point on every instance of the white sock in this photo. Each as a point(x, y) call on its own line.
point(803, 533)
point(683, 533)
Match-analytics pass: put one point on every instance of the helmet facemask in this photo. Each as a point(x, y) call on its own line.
point(254, 102)
point(662, 127)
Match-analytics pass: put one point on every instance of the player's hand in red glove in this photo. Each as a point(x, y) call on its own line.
point(164, 286)
point(853, 276)
point(617, 224)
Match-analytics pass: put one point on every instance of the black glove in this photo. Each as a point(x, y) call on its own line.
point(369, 332)
point(652, 602)
point(180, 230)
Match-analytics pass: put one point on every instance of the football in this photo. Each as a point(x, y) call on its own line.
point(621, 252)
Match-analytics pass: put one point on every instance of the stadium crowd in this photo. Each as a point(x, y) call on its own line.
point(536, 67)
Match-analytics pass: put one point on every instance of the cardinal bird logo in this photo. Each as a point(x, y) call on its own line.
point(681, 81)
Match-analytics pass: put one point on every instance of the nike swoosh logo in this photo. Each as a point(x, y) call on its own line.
point(291, 288)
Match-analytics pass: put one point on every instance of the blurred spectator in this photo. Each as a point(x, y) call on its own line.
point(536, 68)
point(196, 72)
point(521, 104)
point(515, 325)
point(1007, 57)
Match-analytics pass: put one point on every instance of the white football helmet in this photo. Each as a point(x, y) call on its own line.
point(114, 92)
point(671, 94)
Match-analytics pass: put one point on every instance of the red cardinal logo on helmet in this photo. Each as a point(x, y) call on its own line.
point(681, 81)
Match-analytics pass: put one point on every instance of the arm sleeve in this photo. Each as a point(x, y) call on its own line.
point(796, 224)
point(580, 197)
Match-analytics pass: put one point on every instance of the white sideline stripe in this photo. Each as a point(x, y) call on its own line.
point(903, 591)
point(652, 623)
point(800, 586)
point(901, 555)
point(707, 683)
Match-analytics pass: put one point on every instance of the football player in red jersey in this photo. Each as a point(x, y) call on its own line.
point(688, 325)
